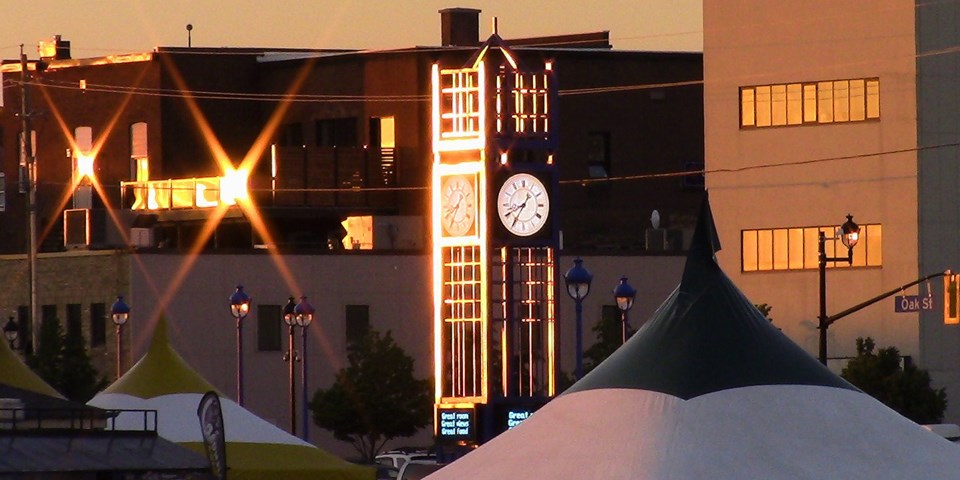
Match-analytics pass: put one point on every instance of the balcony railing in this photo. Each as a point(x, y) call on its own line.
point(76, 419)
point(204, 192)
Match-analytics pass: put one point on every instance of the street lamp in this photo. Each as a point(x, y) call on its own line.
point(11, 331)
point(289, 317)
point(239, 307)
point(120, 312)
point(304, 316)
point(849, 235)
point(624, 294)
point(578, 281)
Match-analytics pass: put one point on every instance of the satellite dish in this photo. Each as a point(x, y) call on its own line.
point(655, 219)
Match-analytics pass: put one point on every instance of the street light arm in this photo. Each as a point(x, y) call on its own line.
point(833, 318)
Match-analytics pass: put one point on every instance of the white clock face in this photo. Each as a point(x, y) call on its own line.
point(523, 204)
point(458, 205)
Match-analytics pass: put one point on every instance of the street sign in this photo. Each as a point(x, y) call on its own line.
point(912, 303)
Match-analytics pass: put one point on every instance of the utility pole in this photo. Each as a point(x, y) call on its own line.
point(28, 176)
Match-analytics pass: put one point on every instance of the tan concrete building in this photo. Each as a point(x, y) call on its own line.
point(816, 110)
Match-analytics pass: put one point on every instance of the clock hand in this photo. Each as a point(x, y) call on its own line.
point(520, 210)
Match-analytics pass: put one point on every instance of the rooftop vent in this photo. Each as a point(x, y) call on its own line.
point(460, 27)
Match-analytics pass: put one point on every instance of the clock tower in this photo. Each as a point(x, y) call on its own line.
point(495, 236)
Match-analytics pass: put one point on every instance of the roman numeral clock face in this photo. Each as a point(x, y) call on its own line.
point(523, 204)
point(458, 204)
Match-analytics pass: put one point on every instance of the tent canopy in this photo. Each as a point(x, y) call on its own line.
point(708, 388)
point(256, 449)
point(15, 373)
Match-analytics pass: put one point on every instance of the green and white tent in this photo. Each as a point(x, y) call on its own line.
point(163, 381)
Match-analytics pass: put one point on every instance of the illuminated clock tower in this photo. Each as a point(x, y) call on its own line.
point(494, 243)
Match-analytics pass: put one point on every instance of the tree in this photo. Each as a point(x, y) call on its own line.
point(906, 389)
point(79, 380)
point(376, 398)
point(62, 361)
point(46, 360)
point(609, 334)
point(765, 311)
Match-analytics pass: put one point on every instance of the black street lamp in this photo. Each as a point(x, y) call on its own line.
point(239, 308)
point(304, 317)
point(849, 235)
point(11, 331)
point(289, 318)
point(120, 313)
point(624, 294)
point(578, 281)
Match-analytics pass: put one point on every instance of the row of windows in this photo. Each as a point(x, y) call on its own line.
point(834, 101)
point(797, 249)
point(271, 333)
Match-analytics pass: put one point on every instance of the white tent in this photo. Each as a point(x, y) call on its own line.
point(708, 388)
point(256, 449)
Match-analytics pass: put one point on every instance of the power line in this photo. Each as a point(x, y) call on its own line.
point(645, 176)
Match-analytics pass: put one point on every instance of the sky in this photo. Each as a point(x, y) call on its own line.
point(104, 27)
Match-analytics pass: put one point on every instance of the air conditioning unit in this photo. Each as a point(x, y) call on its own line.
point(655, 239)
point(141, 237)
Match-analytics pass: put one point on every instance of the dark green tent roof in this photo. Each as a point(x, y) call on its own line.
point(706, 337)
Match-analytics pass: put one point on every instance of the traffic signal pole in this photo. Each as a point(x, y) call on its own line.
point(837, 316)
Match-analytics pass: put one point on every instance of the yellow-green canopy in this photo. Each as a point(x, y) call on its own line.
point(15, 373)
point(256, 449)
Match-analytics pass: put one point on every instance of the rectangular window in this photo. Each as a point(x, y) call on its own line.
point(874, 244)
point(825, 102)
point(781, 249)
point(749, 243)
point(765, 250)
point(74, 320)
point(778, 105)
point(139, 163)
point(598, 154)
point(763, 106)
point(98, 324)
point(26, 329)
point(48, 313)
point(809, 103)
point(290, 135)
point(269, 328)
point(337, 132)
point(794, 104)
point(747, 107)
point(841, 101)
point(858, 101)
point(797, 248)
point(383, 138)
point(357, 324)
point(873, 98)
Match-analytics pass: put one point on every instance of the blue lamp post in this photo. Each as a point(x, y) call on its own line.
point(120, 313)
point(239, 308)
point(578, 281)
point(304, 316)
point(624, 294)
